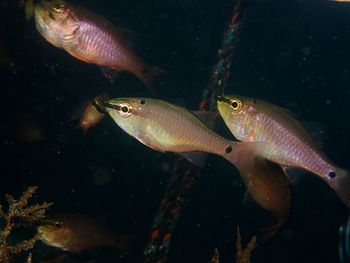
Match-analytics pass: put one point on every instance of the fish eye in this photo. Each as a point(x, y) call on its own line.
point(236, 104)
point(142, 101)
point(125, 109)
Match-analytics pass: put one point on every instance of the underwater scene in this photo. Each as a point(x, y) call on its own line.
point(175, 131)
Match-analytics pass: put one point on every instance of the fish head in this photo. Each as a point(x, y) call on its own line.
point(130, 114)
point(240, 115)
point(56, 22)
point(54, 232)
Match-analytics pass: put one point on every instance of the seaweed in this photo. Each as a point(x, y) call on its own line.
point(19, 215)
point(242, 255)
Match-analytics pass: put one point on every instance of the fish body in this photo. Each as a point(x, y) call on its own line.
point(76, 233)
point(89, 38)
point(165, 127)
point(280, 138)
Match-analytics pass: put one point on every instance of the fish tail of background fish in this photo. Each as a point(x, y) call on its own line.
point(185, 173)
point(341, 185)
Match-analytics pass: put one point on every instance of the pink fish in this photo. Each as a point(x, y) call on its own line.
point(280, 138)
point(89, 38)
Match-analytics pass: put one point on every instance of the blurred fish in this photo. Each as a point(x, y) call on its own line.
point(269, 187)
point(28, 9)
point(76, 233)
point(90, 38)
point(169, 128)
point(280, 138)
point(90, 117)
point(340, 1)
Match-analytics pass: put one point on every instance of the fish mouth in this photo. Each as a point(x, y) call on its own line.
point(102, 105)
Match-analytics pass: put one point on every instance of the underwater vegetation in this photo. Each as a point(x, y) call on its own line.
point(19, 215)
point(242, 255)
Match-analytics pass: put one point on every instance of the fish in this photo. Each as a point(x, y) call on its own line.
point(29, 9)
point(91, 39)
point(90, 117)
point(340, 1)
point(166, 127)
point(269, 187)
point(76, 233)
point(279, 137)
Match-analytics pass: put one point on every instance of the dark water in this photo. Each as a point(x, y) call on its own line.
point(293, 53)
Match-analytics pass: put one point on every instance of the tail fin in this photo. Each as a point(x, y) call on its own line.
point(341, 185)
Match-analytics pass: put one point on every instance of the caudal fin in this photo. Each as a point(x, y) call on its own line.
point(341, 185)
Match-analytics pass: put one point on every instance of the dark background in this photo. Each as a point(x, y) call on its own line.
point(293, 53)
